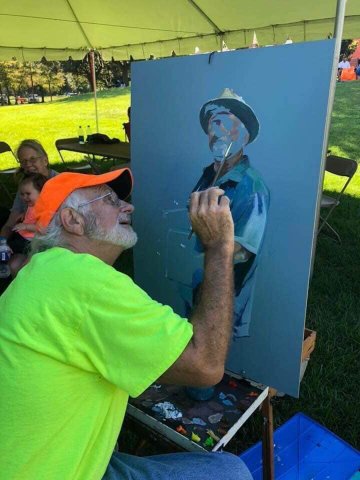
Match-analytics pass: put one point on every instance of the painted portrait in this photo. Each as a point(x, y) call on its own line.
point(230, 125)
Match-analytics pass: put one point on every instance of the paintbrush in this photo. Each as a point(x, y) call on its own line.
point(216, 176)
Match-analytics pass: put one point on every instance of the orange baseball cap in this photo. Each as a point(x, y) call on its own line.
point(58, 188)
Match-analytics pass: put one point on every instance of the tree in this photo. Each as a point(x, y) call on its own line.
point(32, 76)
point(104, 71)
point(14, 78)
point(100, 73)
point(348, 47)
point(52, 77)
point(4, 83)
point(76, 80)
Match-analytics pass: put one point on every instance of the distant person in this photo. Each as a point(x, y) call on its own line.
point(126, 126)
point(348, 74)
point(29, 187)
point(344, 63)
point(33, 159)
point(357, 70)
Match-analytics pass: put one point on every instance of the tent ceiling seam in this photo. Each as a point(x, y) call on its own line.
point(79, 24)
point(207, 18)
point(218, 30)
point(131, 27)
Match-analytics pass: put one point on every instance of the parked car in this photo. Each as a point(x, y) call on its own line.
point(34, 98)
point(20, 100)
point(4, 99)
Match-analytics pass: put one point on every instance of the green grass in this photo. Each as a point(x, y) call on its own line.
point(50, 121)
point(330, 389)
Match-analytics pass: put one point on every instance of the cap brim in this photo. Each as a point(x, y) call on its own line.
point(122, 183)
point(58, 188)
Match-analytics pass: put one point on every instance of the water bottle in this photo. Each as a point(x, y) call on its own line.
point(88, 134)
point(81, 135)
point(5, 253)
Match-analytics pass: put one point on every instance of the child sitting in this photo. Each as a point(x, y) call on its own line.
point(30, 187)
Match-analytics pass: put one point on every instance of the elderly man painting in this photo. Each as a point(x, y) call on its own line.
point(77, 337)
point(231, 125)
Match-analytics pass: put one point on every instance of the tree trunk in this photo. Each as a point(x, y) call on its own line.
point(50, 92)
point(125, 72)
point(8, 96)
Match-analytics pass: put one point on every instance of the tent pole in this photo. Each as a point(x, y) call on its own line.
point(93, 81)
point(338, 31)
point(339, 22)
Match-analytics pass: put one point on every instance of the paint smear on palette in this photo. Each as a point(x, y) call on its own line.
point(193, 419)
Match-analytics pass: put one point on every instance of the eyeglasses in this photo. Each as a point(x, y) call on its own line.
point(109, 198)
point(31, 160)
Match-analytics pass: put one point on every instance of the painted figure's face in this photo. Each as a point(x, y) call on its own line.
point(28, 194)
point(224, 128)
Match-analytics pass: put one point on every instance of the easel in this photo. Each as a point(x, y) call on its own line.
point(268, 437)
point(267, 411)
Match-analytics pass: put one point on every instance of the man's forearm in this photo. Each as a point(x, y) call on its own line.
point(213, 315)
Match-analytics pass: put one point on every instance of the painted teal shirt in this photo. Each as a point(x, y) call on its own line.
point(249, 204)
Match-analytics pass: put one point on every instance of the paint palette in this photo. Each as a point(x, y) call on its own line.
point(197, 424)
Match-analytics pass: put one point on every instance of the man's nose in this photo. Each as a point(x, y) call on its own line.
point(126, 207)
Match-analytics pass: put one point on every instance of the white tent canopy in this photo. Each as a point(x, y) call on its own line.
point(30, 29)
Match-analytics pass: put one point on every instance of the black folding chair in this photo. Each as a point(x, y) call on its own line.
point(344, 167)
point(5, 174)
point(88, 167)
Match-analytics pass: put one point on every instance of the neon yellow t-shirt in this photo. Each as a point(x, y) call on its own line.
point(76, 339)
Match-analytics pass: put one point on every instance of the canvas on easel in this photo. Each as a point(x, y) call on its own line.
point(253, 122)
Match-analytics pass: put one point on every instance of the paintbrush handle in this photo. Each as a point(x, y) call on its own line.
point(215, 178)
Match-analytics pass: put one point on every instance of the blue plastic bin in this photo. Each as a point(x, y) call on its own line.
point(305, 450)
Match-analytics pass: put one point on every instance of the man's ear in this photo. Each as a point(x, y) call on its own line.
point(72, 221)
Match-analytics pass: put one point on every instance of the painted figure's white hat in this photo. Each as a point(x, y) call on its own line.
point(236, 105)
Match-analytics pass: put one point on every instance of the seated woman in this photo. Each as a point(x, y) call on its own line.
point(33, 159)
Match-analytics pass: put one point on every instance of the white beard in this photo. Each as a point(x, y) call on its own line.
point(124, 237)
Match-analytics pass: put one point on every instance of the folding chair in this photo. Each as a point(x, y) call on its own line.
point(6, 173)
point(88, 167)
point(344, 167)
point(126, 127)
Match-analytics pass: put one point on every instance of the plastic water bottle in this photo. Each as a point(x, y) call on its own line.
point(88, 134)
point(81, 135)
point(5, 253)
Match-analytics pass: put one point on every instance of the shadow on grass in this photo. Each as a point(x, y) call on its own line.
point(112, 92)
point(345, 121)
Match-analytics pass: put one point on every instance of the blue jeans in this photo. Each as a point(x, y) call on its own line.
point(177, 466)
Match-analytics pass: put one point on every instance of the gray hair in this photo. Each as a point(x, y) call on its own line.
point(54, 236)
point(34, 144)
